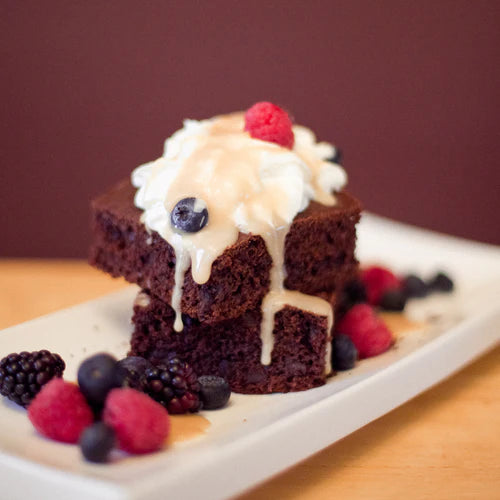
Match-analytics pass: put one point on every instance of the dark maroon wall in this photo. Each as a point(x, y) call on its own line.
point(90, 89)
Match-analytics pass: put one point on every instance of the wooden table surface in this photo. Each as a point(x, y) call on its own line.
point(444, 444)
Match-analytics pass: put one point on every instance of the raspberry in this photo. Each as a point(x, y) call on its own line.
point(23, 375)
point(174, 385)
point(269, 122)
point(141, 425)
point(60, 411)
point(378, 280)
point(368, 333)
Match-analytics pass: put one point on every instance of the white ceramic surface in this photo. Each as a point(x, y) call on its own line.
point(257, 436)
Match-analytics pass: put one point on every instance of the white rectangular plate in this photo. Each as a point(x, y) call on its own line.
point(257, 436)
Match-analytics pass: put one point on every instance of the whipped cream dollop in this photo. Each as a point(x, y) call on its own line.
point(247, 185)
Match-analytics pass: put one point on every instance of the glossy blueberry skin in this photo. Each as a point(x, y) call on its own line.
point(97, 375)
point(214, 392)
point(393, 300)
point(441, 282)
point(344, 352)
point(415, 287)
point(96, 442)
point(189, 215)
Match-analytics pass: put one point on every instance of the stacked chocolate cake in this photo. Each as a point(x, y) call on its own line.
point(222, 317)
point(240, 236)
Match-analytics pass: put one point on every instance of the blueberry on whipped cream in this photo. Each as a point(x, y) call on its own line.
point(189, 215)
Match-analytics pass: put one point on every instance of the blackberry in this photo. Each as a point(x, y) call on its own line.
point(23, 374)
point(174, 384)
point(133, 368)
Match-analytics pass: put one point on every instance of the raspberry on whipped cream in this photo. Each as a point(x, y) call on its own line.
point(269, 122)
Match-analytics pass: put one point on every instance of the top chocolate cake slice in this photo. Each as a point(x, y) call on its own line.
point(319, 256)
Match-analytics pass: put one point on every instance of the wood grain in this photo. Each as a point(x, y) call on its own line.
point(443, 444)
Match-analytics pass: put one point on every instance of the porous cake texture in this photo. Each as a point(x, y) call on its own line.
point(231, 348)
point(319, 256)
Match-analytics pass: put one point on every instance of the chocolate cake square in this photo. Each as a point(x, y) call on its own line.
point(231, 348)
point(319, 256)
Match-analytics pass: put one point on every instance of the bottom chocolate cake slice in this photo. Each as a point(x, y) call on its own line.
point(232, 348)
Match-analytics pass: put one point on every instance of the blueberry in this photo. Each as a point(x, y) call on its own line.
point(134, 368)
point(441, 283)
point(393, 300)
point(97, 375)
point(353, 293)
point(344, 352)
point(356, 292)
point(97, 441)
point(414, 286)
point(214, 391)
point(337, 157)
point(189, 215)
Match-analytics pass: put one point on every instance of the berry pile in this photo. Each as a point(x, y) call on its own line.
point(367, 331)
point(360, 333)
point(23, 375)
point(385, 290)
point(115, 403)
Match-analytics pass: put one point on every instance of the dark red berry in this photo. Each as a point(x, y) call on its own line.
point(174, 385)
point(134, 368)
point(23, 375)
